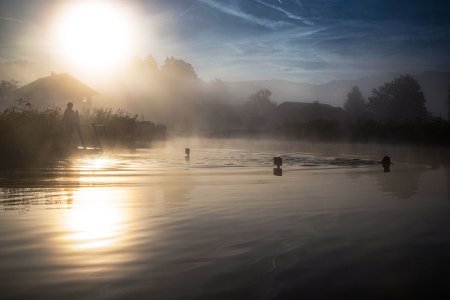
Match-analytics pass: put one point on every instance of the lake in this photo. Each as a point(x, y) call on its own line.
point(150, 224)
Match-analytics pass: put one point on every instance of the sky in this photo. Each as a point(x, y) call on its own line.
point(298, 40)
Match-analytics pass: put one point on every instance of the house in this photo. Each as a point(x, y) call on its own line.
point(294, 112)
point(56, 90)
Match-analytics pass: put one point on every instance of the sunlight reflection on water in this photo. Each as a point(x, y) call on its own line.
point(134, 224)
point(97, 163)
point(96, 219)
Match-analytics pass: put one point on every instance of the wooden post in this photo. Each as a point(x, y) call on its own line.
point(448, 101)
point(97, 139)
point(81, 137)
point(278, 161)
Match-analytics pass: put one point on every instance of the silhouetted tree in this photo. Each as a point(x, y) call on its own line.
point(150, 63)
point(217, 91)
point(147, 65)
point(259, 110)
point(399, 100)
point(260, 101)
point(180, 94)
point(178, 68)
point(355, 106)
point(7, 87)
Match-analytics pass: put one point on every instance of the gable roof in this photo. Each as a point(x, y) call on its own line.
point(301, 111)
point(58, 87)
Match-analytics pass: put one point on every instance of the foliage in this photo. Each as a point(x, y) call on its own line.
point(259, 110)
point(121, 128)
point(217, 116)
point(217, 91)
point(315, 130)
point(433, 131)
point(29, 136)
point(178, 68)
point(354, 105)
point(395, 112)
point(147, 65)
point(7, 87)
point(401, 100)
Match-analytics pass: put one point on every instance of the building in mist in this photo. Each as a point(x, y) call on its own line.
point(306, 112)
point(448, 100)
point(55, 91)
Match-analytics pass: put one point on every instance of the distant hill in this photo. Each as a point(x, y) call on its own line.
point(434, 85)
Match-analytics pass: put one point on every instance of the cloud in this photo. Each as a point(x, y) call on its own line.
point(285, 12)
point(299, 3)
point(295, 66)
point(236, 12)
point(10, 19)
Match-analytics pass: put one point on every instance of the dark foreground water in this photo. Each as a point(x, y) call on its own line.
point(151, 225)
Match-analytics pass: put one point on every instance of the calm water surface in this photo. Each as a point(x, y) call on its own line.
point(148, 224)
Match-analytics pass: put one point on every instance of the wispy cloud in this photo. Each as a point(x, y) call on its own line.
point(10, 19)
point(299, 3)
point(237, 12)
point(286, 13)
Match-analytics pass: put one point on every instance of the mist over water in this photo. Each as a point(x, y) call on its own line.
point(237, 149)
point(149, 223)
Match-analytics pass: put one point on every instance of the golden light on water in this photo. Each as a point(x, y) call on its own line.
point(94, 35)
point(96, 220)
point(96, 163)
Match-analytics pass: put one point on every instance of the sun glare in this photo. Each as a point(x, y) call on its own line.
point(96, 219)
point(94, 35)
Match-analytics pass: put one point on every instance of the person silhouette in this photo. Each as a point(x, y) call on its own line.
point(71, 121)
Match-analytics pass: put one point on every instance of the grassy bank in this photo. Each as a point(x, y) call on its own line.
point(29, 137)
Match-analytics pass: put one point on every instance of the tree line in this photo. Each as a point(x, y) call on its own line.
point(173, 94)
point(400, 100)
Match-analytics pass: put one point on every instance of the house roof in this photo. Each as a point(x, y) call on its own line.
point(61, 86)
point(301, 111)
point(292, 104)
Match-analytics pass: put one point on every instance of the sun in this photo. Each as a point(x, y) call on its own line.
point(94, 35)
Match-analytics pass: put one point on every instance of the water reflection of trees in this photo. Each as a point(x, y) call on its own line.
point(405, 184)
point(402, 183)
point(402, 186)
point(56, 188)
point(22, 192)
point(22, 199)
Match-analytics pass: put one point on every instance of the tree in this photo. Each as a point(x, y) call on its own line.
point(146, 65)
point(6, 89)
point(400, 100)
point(355, 106)
point(259, 110)
point(178, 68)
point(260, 102)
point(150, 64)
point(217, 91)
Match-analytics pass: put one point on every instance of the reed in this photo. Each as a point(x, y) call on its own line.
point(30, 137)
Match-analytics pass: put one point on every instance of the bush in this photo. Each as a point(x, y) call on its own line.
point(29, 137)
